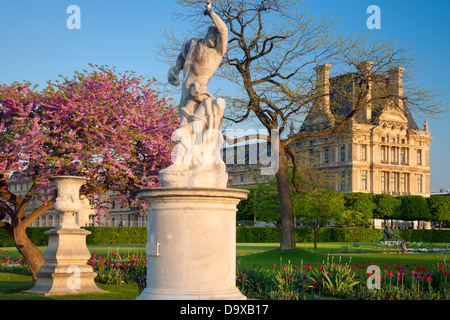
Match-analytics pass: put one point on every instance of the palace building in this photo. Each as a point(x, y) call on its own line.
point(382, 150)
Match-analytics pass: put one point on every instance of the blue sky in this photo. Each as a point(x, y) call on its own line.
point(37, 45)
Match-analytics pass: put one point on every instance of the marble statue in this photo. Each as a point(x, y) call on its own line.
point(191, 225)
point(197, 160)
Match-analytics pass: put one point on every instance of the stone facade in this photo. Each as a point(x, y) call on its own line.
point(381, 151)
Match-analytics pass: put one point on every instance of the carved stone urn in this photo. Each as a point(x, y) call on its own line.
point(66, 271)
point(68, 201)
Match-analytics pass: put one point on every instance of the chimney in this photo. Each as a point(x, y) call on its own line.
point(396, 85)
point(365, 79)
point(323, 87)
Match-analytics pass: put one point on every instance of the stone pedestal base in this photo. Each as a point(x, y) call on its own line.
point(66, 271)
point(191, 244)
point(194, 176)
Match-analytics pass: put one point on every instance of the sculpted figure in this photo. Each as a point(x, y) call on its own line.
point(389, 234)
point(199, 59)
point(206, 121)
point(198, 162)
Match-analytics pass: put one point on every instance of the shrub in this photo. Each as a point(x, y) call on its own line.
point(305, 234)
point(116, 235)
point(99, 235)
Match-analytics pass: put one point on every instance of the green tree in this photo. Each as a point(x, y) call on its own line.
point(414, 208)
point(439, 209)
point(352, 218)
point(245, 208)
point(318, 207)
point(360, 202)
point(358, 211)
point(386, 207)
point(262, 203)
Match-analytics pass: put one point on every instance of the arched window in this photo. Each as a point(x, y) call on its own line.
point(43, 221)
point(57, 220)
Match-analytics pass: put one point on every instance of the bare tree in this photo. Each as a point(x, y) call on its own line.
point(276, 49)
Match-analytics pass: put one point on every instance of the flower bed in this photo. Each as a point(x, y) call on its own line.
point(15, 265)
point(116, 268)
point(346, 280)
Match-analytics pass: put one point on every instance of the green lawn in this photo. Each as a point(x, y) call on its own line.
point(242, 249)
point(268, 254)
point(12, 285)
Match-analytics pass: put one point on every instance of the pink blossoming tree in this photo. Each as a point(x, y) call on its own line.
point(110, 128)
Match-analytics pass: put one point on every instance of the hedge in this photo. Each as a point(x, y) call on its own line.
point(138, 235)
point(269, 234)
point(272, 234)
point(103, 235)
point(117, 235)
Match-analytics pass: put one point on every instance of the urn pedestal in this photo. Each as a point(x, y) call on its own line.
point(66, 271)
point(191, 243)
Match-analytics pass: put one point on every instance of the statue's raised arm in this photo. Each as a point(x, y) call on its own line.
point(221, 30)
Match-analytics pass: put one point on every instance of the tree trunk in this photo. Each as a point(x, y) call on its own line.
point(316, 232)
point(287, 212)
point(27, 249)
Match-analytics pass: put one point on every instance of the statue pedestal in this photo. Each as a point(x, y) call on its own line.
point(191, 243)
point(66, 271)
